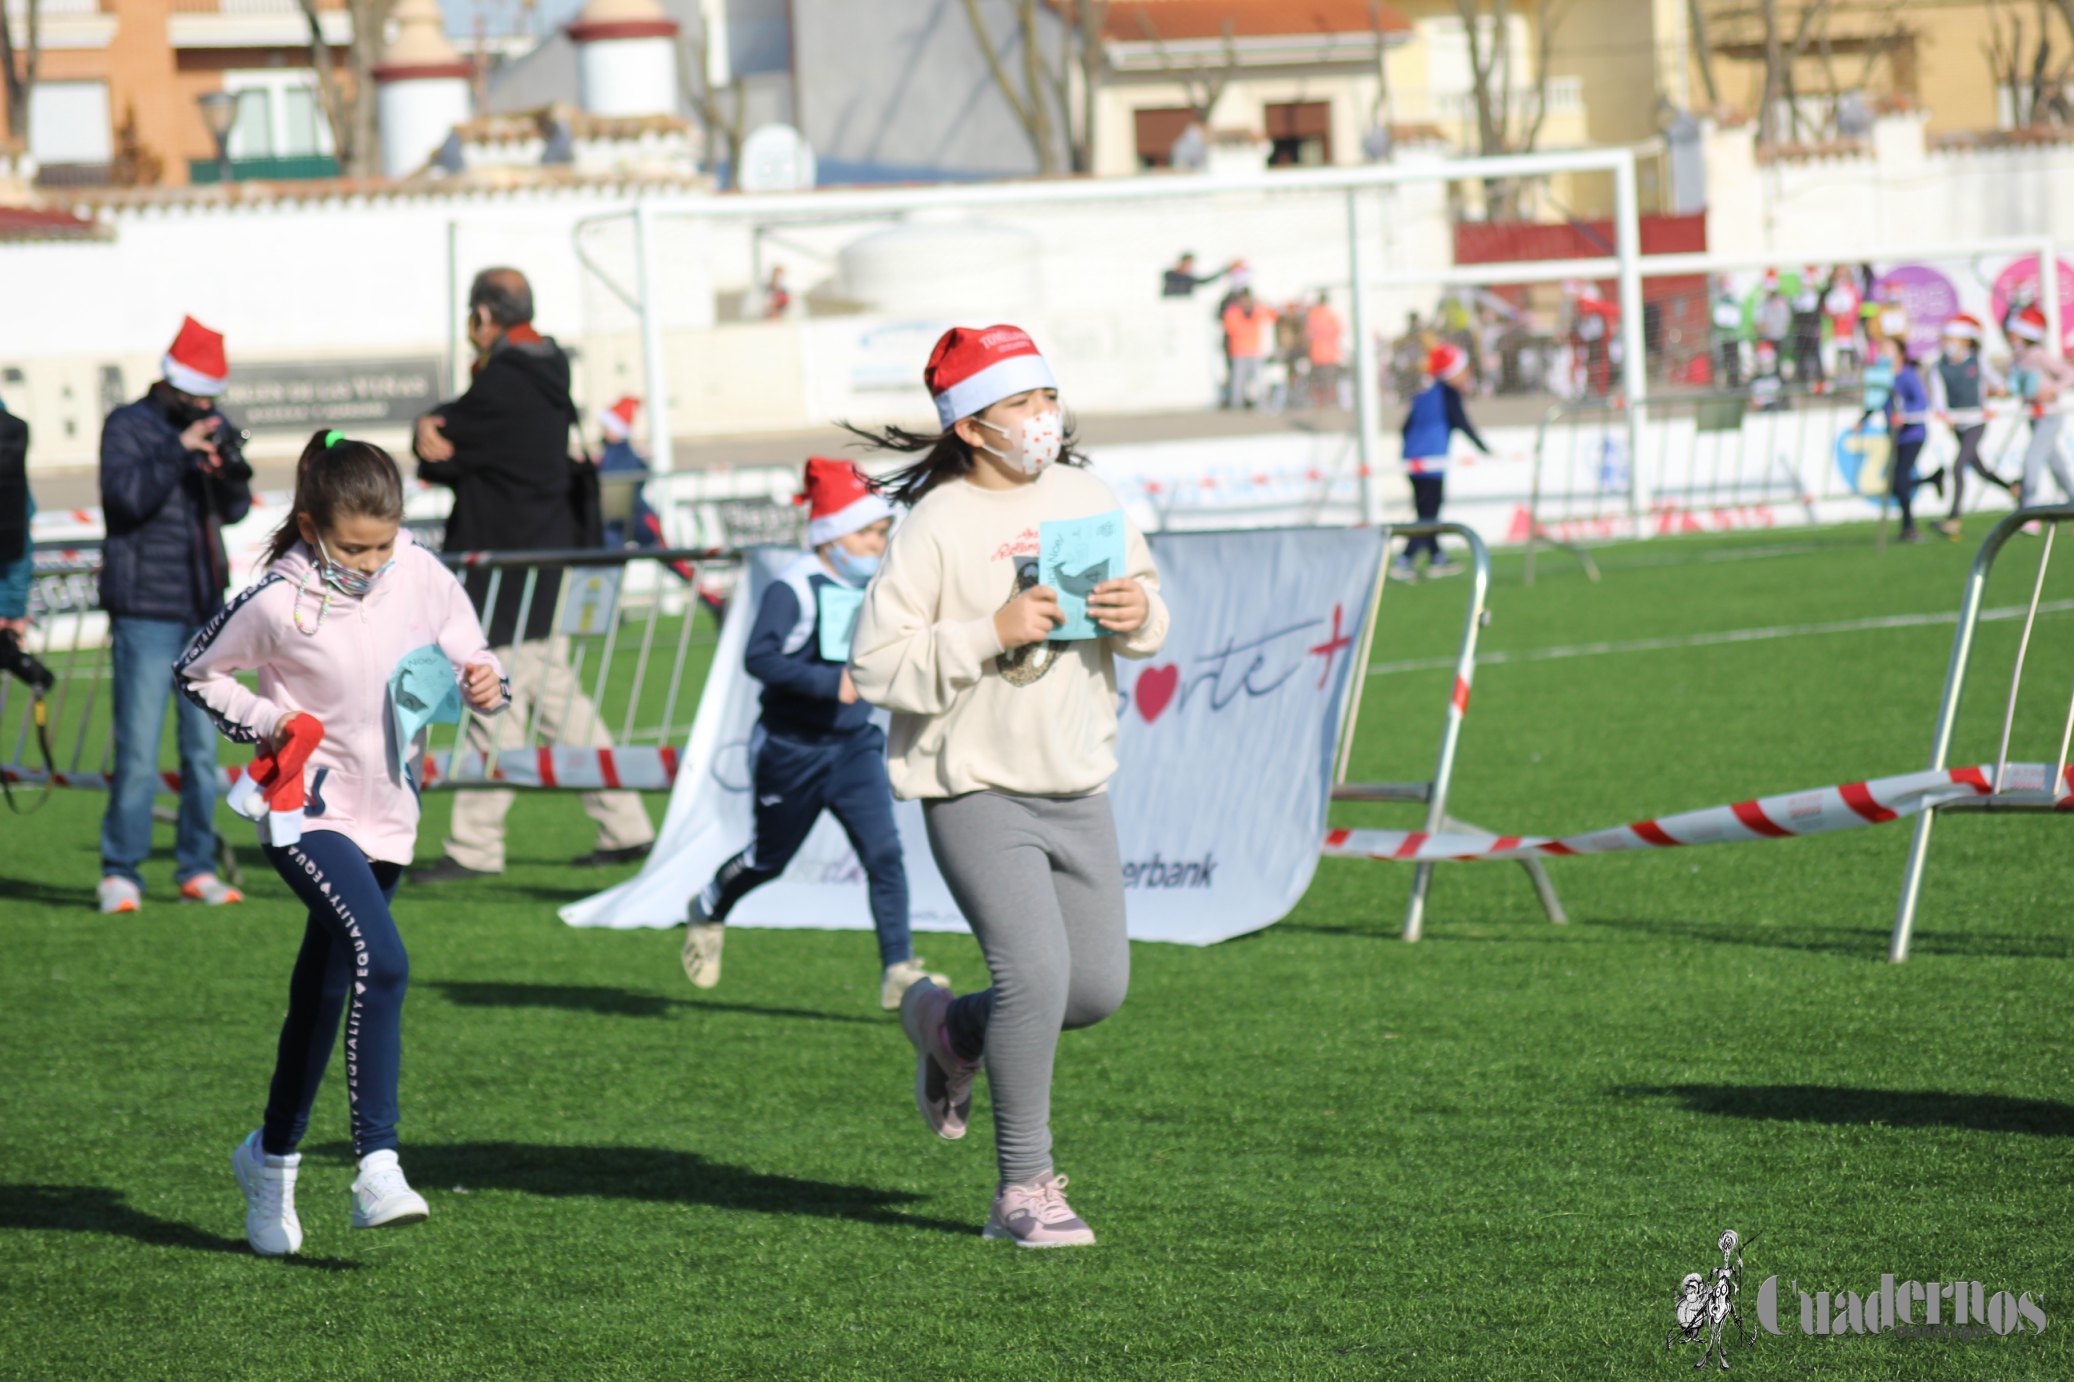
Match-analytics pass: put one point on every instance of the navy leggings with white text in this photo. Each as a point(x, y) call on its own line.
point(351, 964)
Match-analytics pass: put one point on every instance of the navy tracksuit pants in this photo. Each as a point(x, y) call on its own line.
point(795, 780)
point(352, 964)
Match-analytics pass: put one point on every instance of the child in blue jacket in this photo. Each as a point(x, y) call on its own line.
point(815, 747)
point(1429, 428)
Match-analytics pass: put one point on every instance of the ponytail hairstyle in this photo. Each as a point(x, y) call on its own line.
point(943, 456)
point(337, 477)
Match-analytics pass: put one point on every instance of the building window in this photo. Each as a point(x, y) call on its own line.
point(279, 115)
point(68, 125)
point(1300, 133)
point(1158, 130)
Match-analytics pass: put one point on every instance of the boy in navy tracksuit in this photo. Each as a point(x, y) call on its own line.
point(1436, 415)
point(815, 747)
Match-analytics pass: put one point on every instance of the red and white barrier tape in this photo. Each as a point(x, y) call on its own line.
point(583, 769)
point(1767, 818)
point(579, 769)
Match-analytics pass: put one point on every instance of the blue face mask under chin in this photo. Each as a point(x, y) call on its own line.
point(850, 568)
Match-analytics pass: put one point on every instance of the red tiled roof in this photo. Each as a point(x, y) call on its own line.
point(39, 223)
point(1128, 21)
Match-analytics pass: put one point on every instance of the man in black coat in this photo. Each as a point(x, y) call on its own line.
point(173, 476)
point(503, 448)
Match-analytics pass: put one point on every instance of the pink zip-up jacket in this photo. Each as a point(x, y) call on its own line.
point(340, 674)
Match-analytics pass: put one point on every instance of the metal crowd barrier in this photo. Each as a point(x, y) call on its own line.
point(1718, 459)
point(625, 624)
point(2006, 793)
point(1431, 793)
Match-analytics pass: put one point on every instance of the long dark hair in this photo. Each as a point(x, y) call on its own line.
point(943, 456)
point(338, 476)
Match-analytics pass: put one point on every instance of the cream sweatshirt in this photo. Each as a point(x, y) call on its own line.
point(969, 715)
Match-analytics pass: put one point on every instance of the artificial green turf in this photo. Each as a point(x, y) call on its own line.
point(1312, 1152)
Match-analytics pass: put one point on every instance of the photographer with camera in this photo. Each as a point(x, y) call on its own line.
point(172, 476)
point(17, 558)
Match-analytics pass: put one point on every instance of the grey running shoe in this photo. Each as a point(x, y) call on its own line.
point(118, 895)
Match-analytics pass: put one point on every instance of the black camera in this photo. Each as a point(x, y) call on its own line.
point(24, 665)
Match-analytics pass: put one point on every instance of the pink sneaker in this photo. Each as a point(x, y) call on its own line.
point(1036, 1215)
point(943, 1082)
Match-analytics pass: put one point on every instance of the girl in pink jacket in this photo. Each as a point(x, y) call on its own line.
point(347, 600)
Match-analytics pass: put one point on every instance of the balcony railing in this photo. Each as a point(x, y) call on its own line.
point(289, 168)
point(247, 7)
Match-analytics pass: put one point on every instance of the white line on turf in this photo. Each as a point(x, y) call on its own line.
point(1708, 640)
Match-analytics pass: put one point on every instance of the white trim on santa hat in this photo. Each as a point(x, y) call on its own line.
point(1963, 327)
point(190, 380)
point(859, 513)
point(1002, 379)
point(2030, 326)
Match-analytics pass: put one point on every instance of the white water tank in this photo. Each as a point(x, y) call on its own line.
point(626, 58)
point(966, 270)
point(421, 89)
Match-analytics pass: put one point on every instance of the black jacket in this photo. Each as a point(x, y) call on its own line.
point(511, 477)
point(164, 556)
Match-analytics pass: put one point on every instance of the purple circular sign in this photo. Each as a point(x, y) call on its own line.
point(1927, 296)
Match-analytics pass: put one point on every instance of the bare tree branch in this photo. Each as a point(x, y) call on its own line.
point(1696, 15)
point(1546, 21)
point(729, 125)
point(1029, 108)
point(21, 80)
point(328, 94)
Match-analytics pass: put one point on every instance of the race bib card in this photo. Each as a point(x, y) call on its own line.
point(1074, 555)
point(838, 607)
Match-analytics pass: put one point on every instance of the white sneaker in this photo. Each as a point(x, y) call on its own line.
point(118, 895)
point(702, 942)
point(901, 977)
point(382, 1198)
point(269, 1185)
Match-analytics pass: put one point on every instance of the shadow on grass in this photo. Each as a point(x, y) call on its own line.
point(659, 1175)
point(1893, 1108)
point(612, 1002)
point(1867, 942)
point(51, 895)
point(98, 1209)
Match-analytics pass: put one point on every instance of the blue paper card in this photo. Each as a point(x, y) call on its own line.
point(1074, 555)
point(839, 606)
point(423, 690)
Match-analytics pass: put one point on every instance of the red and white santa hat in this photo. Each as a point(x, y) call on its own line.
point(195, 363)
point(1963, 326)
point(2029, 325)
point(617, 422)
point(976, 367)
point(1445, 361)
point(839, 500)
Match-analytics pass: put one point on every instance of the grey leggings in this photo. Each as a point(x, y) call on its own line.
point(1041, 883)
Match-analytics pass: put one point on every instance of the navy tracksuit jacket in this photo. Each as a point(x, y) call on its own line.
point(811, 753)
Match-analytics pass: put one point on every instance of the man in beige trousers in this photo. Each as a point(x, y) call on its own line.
point(503, 447)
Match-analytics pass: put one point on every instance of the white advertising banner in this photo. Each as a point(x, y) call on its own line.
point(1225, 750)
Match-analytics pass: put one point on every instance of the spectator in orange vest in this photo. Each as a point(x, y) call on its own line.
point(1246, 327)
point(1325, 337)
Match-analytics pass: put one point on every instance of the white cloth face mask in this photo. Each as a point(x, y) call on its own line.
point(1043, 437)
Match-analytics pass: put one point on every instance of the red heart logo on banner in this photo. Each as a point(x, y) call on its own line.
point(1156, 688)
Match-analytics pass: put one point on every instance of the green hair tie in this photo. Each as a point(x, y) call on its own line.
point(333, 438)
